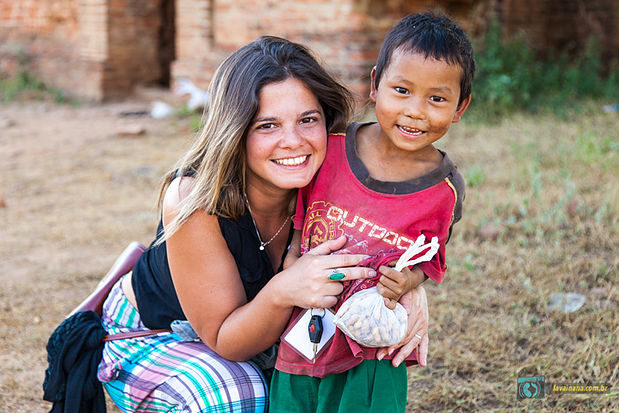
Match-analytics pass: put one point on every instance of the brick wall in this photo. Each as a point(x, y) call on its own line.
point(133, 41)
point(345, 35)
point(564, 25)
point(196, 58)
point(92, 49)
point(42, 37)
point(101, 49)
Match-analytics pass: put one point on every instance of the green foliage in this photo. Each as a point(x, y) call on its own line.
point(510, 78)
point(11, 88)
point(474, 176)
point(195, 119)
point(25, 85)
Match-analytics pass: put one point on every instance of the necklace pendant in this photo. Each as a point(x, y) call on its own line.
point(261, 248)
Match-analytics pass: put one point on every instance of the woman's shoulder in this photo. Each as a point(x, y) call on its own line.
point(173, 202)
point(176, 192)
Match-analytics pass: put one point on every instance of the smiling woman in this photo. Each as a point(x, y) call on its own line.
point(206, 303)
point(286, 144)
point(215, 271)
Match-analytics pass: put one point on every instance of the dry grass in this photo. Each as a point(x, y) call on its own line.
point(76, 194)
point(540, 217)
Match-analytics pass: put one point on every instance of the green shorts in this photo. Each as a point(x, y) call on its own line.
point(372, 386)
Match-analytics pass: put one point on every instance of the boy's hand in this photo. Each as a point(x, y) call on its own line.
point(394, 284)
point(294, 252)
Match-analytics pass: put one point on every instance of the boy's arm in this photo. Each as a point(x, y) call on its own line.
point(394, 284)
point(294, 252)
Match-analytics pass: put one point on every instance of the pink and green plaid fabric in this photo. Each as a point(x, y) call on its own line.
point(162, 373)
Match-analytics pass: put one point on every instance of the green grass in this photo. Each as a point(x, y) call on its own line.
point(25, 86)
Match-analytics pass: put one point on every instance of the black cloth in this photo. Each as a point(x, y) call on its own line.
point(152, 282)
point(74, 352)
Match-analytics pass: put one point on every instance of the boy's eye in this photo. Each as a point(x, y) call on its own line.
point(401, 90)
point(437, 99)
point(308, 119)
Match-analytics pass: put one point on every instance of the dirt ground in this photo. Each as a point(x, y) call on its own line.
point(74, 192)
point(540, 217)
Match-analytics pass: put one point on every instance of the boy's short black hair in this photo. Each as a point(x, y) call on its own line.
point(433, 35)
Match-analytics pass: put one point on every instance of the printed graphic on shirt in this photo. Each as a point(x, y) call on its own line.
point(322, 229)
point(326, 221)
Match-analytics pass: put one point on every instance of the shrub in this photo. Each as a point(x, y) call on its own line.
point(511, 78)
point(26, 86)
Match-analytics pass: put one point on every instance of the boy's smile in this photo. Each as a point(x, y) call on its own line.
point(416, 102)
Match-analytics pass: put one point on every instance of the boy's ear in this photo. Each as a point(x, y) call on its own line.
point(461, 109)
point(372, 88)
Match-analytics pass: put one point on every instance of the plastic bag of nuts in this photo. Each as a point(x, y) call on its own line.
point(365, 318)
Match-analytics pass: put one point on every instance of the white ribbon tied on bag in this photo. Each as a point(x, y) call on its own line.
point(365, 318)
point(405, 259)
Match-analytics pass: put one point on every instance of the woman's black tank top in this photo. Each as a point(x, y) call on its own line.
point(152, 282)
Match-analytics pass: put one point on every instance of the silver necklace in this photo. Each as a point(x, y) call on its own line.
point(263, 244)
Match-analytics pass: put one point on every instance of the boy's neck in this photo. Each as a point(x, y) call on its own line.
point(388, 163)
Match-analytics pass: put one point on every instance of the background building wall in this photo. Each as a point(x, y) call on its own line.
point(102, 49)
point(93, 49)
point(43, 37)
point(563, 25)
point(345, 35)
point(133, 45)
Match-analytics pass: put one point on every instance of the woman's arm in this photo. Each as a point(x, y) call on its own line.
point(416, 304)
point(211, 293)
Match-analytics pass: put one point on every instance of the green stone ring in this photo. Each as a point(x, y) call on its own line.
point(336, 276)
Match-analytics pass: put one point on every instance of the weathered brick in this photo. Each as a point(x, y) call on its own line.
point(109, 46)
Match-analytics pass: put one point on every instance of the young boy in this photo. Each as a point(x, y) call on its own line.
point(383, 185)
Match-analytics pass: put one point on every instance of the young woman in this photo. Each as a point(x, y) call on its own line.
point(226, 210)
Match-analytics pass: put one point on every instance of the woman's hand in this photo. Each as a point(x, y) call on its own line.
point(307, 283)
point(416, 305)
